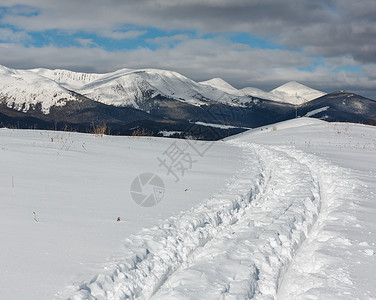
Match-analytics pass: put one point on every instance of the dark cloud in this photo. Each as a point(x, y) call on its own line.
point(342, 32)
point(324, 27)
point(201, 15)
point(200, 60)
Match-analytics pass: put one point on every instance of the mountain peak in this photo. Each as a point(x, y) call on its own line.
point(222, 85)
point(295, 93)
point(216, 81)
point(291, 85)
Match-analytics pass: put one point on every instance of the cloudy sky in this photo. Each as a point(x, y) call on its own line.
point(326, 44)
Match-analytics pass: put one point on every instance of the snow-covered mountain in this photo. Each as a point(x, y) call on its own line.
point(127, 87)
point(222, 85)
point(291, 92)
point(295, 93)
point(255, 92)
point(160, 100)
point(26, 89)
point(132, 87)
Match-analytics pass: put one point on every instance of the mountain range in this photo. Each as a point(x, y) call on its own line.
point(160, 102)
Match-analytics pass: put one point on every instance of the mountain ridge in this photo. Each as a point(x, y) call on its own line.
point(156, 101)
point(132, 87)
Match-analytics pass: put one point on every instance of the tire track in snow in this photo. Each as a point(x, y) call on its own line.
point(237, 244)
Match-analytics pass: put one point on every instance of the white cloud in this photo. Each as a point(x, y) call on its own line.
point(168, 40)
point(86, 42)
point(8, 35)
point(120, 35)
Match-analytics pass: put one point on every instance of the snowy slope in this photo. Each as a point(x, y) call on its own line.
point(255, 92)
point(289, 214)
point(23, 90)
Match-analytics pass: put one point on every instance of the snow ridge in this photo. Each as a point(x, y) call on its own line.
point(69, 79)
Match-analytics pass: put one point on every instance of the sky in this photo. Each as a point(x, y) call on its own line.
point(328, 45)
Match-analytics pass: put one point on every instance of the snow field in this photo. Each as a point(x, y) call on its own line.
point(289, 214)
point(290, 231)
point(78, 185)
point(157, 252)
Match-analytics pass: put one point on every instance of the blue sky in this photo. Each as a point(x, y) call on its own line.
point(247, 43)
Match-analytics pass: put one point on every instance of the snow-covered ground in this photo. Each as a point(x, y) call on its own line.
point(280, 212)
point(78, 185)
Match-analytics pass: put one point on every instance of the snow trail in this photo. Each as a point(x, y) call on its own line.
point(320, 269)
point(249, 258)
point(157, 252)
point(239, 244)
